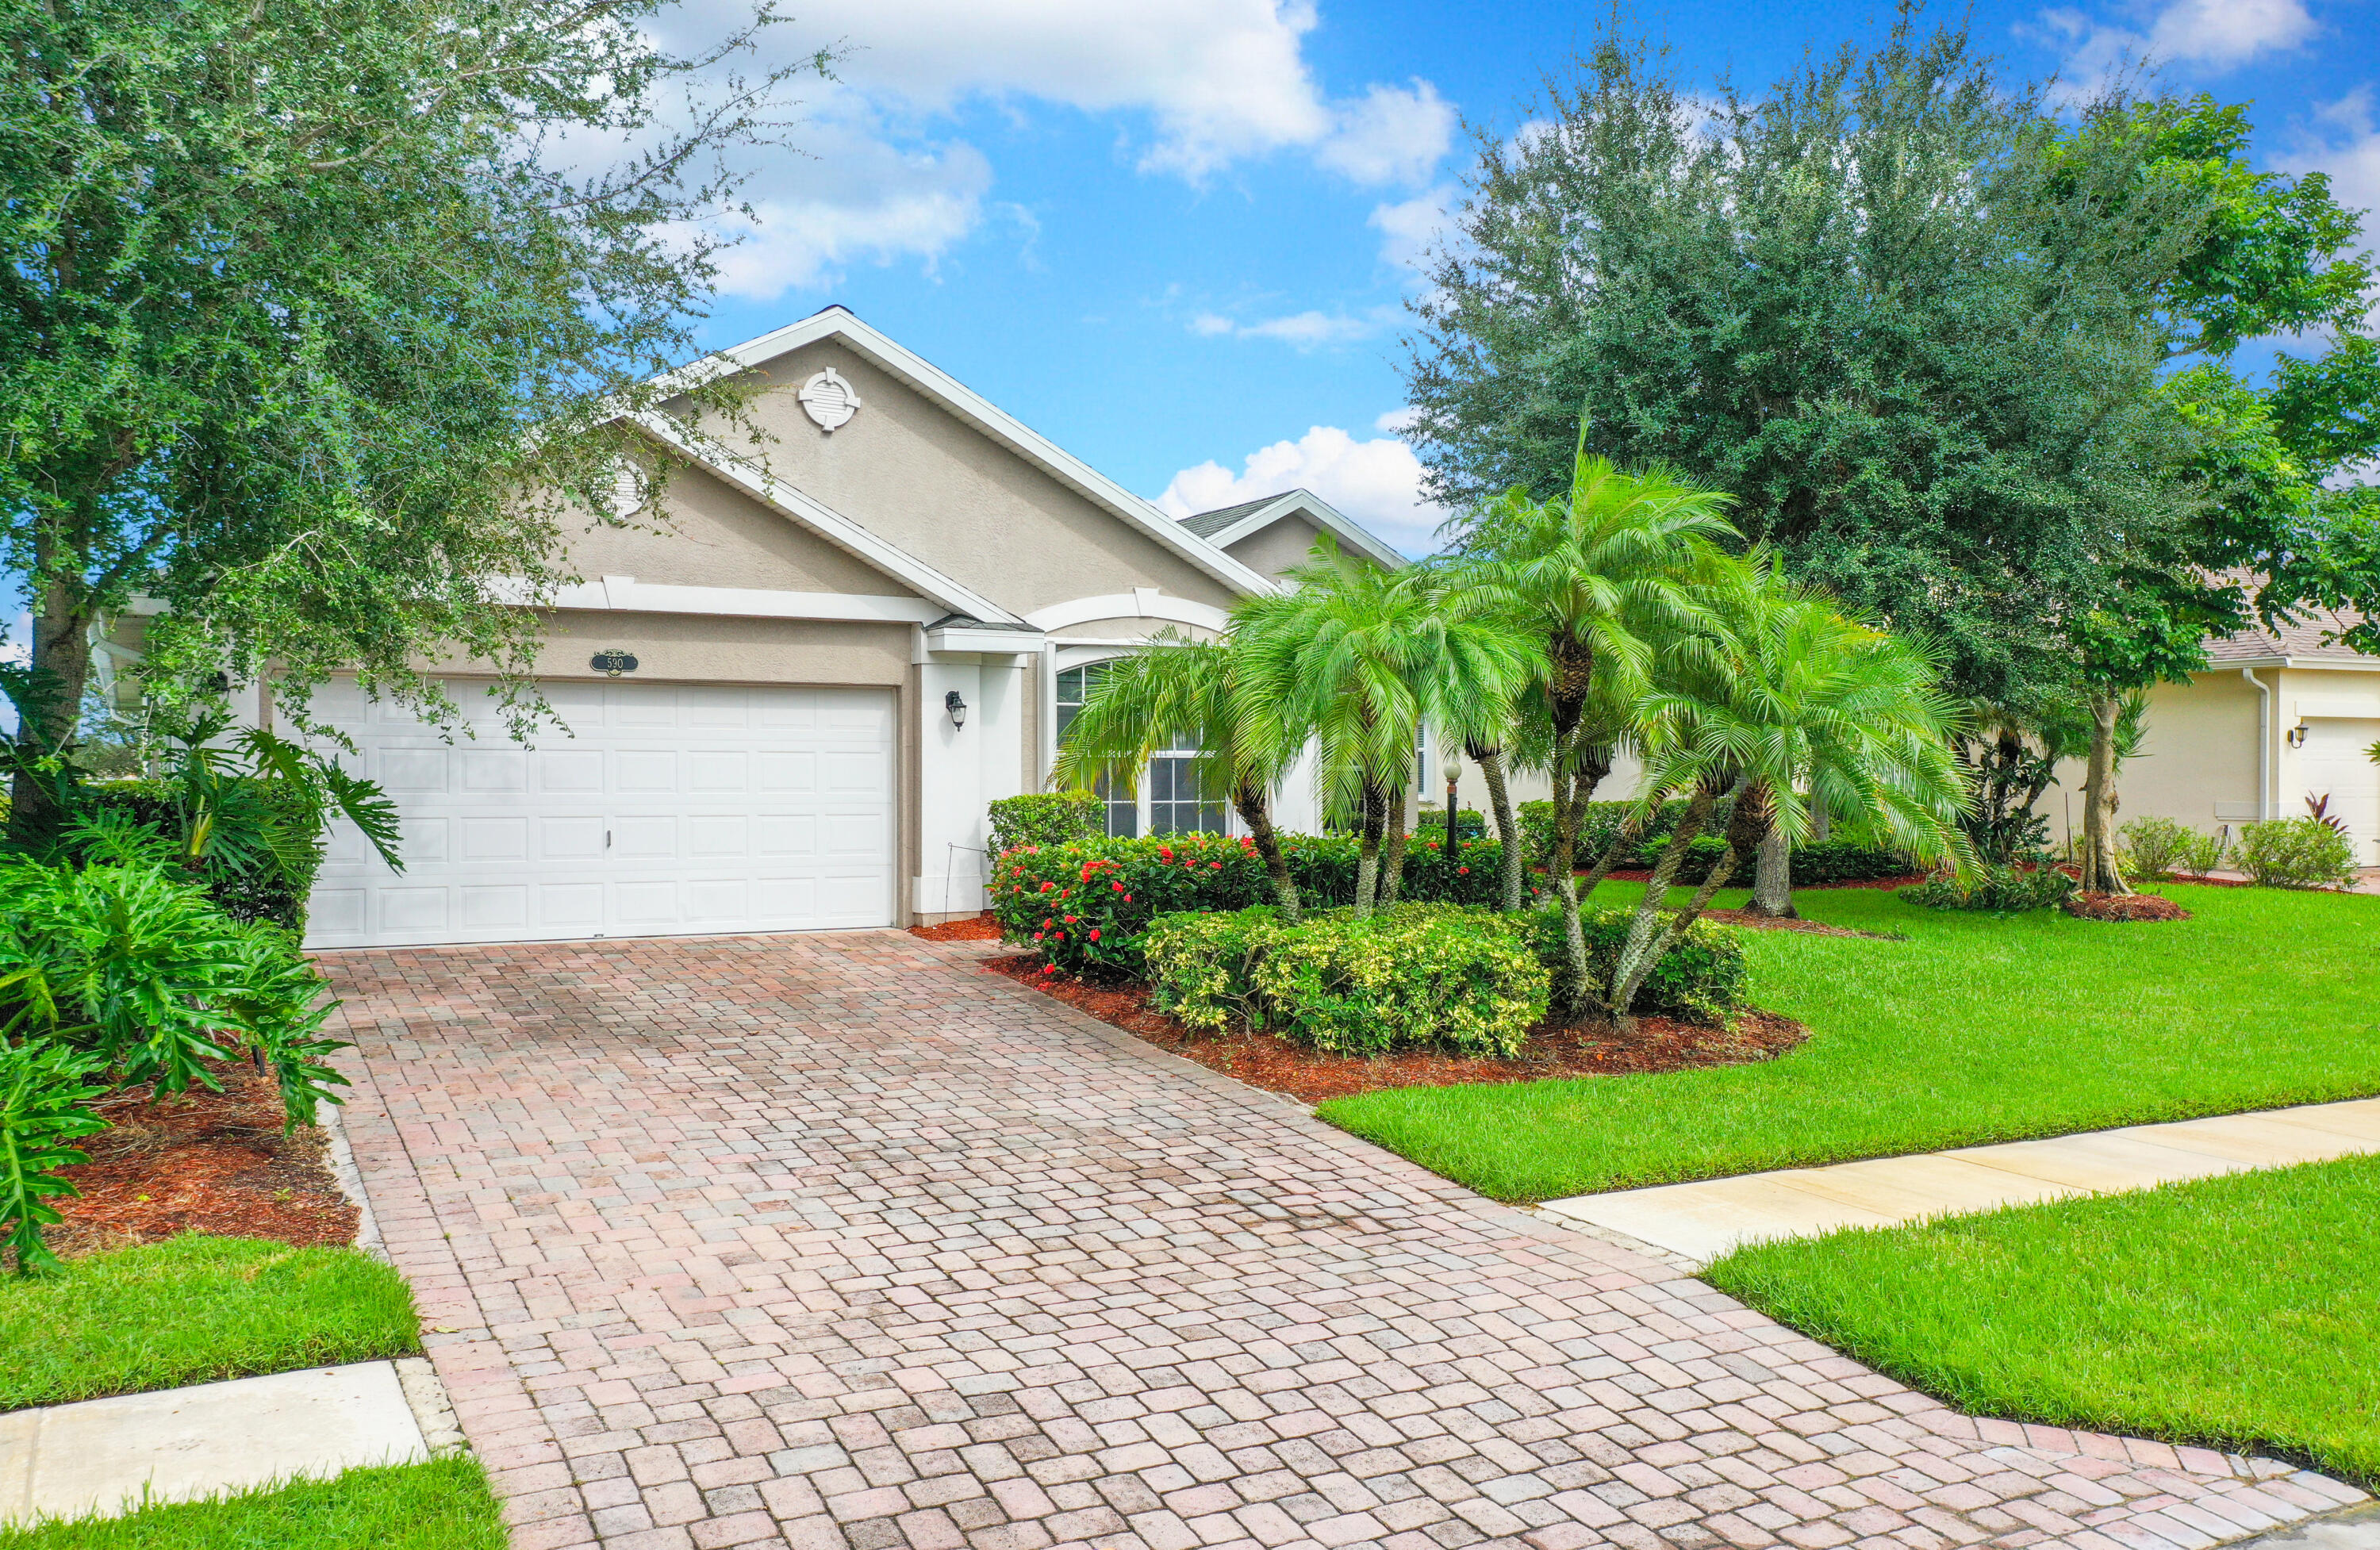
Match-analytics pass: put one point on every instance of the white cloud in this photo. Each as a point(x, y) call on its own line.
point(1378, 482)
point(2344, 142)
point(2214, 35)
point(1303, 330)
point(1390, 135)
point(1412, 229)
point(1203, 83)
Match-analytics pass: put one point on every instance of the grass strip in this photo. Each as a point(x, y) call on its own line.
point(442, 1504)
point(1977, 1028)
point(195, 1309)
point(2234, 1313)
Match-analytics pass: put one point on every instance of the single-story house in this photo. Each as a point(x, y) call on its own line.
point(2277, 720)
point(788, 703)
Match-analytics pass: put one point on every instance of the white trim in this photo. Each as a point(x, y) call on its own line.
point(2296, 664)
point(991, 643)
point(824, 520)
point(982, 414)
point(1350, 534)
point(1141, 602)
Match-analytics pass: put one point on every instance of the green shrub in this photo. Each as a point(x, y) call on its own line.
point(1057, 818)
point(1814, 865)
point(1414, 976)
point(2295, 852)
point(2155, 849)
point(45, 1087)
point(1702, 979)
point(1990, 889)
point(273, 889)
point(1085, 905)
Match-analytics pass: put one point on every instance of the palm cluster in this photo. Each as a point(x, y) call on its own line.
point(1626, 616)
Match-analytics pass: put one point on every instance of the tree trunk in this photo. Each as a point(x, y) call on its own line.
point(1630, 832)
point(1393, 852)
point(1558, 872)
point(1512, 864)
point(1772, 878)
point(1634, 964)
point(61, 666)
point(1623, 995)
point(2099, 873)
point(1257, 812)
point(1367, 854)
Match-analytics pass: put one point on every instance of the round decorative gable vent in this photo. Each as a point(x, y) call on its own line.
point(828, 400)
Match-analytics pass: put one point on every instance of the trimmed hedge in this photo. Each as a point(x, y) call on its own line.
point(1814, 865)
point(1085, 905)
point(2295, 852)
point(1409, 977)
point(278, 895)
point(1700, 980)
point(1056, 817)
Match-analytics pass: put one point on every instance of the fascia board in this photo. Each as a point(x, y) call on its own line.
point(983, 414)
point(825, 521)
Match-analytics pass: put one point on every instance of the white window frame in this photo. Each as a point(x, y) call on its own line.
point(1063, 659)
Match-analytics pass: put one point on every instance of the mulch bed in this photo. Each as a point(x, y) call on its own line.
point(984, 928)
point(1279, 1066)
point(201, 1162)
point(2122, 906)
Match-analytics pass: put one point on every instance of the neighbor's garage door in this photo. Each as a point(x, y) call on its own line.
point(663, 809)
point(2337, 763)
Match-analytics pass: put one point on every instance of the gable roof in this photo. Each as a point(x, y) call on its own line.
point(2301, 642)
point(978, 413)
point(1227, 525)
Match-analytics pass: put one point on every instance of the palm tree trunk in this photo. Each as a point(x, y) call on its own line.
point(1772, 878)
point(1622, 843)
point(1392, 851)
point(1623, 994)
point(1634, 965)
point(1558, 869)
point(1367, 854)
point(2099, 873)
point(1257, 812)
point(1512, 864)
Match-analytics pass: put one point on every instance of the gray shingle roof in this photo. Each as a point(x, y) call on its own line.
point(2303, 640)
point(1208, 524)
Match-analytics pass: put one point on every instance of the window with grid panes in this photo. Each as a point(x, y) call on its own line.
point(1181, 791)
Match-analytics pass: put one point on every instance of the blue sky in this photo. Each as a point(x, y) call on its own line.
point(1172, 235)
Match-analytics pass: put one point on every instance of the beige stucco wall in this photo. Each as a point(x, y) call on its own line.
point(921, 480)
point(706, 533)
point(713, 649)
point(1271, 549)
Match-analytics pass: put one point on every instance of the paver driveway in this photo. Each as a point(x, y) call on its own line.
point(839, 1240)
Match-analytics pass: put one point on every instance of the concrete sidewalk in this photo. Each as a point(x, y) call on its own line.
point(105, 1457)
point(1701, 1221)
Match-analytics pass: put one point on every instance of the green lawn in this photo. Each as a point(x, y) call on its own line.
point(193, 1310)
point(1978, 1028)
point(2235, 1312)
point(442, 1504)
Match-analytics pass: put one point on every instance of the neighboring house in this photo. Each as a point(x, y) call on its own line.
point(2275, 719)
point(789, 702)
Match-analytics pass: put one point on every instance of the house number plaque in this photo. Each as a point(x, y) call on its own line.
point(612, 663)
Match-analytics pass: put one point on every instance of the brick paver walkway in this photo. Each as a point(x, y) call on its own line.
point(838, 1240)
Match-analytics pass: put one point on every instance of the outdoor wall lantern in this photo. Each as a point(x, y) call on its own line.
point(2298, 736)
point(957, 707)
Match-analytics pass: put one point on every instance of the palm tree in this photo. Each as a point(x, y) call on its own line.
point(1593, 572)
point(1360, 655)
point(1204, 692)
point(1472, 701)
point(1782, 694)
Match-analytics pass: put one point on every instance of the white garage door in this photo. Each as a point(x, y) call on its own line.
point(2337, 763)
point(666, 809)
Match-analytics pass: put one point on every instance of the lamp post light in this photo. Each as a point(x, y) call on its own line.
point(1451, 767)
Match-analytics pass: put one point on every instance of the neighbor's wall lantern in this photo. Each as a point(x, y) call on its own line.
point(957, 707)
point(2298, 736)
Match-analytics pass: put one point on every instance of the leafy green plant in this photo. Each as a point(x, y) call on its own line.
point(43, 1089)
point(1057, 818)
point(128, 961)
point(1989, 890)
point(1202, 964)
point(2158, 848)
point(2295, 852)
point(1411, 976)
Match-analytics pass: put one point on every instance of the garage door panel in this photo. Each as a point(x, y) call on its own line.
point(2335, 764)
point(725, 809)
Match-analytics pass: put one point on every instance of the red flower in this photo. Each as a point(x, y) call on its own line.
point(1127, 898)
point(1095, 933)
point(1070, 920)
point(1461, 870)
point(1037, 936)
point(1214, 866)
point(1047, 887)
point(1118, 887)
point(1049, 968)
point(1166, 851)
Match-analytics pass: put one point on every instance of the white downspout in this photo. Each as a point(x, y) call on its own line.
point(2263, 744)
